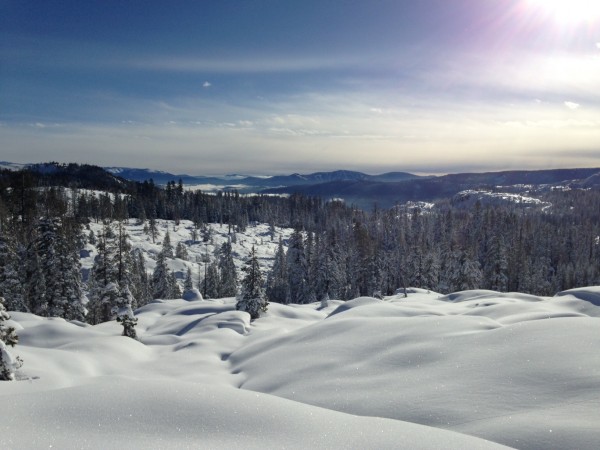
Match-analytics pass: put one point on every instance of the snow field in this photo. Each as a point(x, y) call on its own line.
point(257, 235)
point(427, 371)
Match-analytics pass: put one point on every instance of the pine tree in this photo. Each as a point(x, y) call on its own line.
point(161, 279)
point(228, 274)
point(466, 273)
point(188, 285)
point(167, 248)
point(496, 265)
point(181, 251)
point(55, 260)
point(431, 272)
point(35, 285)
point(140, 286)
point(299, 289)
point(103, 286)
point(277, 288)
point(11, 287)
point(124, 313)
point(252, 297)
point(174, 289)
point(212, 282)
point(8, 337)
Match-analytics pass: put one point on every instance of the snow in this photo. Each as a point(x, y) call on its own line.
point(257, 235)
point(467, 370)
point(469, 197)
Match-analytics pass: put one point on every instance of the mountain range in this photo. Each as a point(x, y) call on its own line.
point(386, 189)
point(353, 187)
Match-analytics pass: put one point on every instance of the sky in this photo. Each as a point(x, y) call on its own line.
point(275, 87)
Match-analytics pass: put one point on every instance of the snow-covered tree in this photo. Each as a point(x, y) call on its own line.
point(54, 276)
point(228, 274)
point(124, 313)
point(211, 282)
point(140, 285)
point(174, 289)
point(297, 269)
point(34, 285)
point(465, 272)
point(188, 285)
point(11, 287)
point(161, 279)
point(116, 275)
point(167, 248)
point(252, 296)
point(8, 337)
point(277, 287)
point(181, 251)
point(497, 265)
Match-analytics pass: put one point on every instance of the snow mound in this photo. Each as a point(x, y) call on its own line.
point(587, 294)
point(192, 294)
point(356, 303)
point(173, 415)
point(519, 370)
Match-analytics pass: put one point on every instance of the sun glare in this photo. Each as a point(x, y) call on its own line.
point(569, 11)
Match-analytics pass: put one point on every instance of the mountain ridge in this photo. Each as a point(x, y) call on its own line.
point(358, 188)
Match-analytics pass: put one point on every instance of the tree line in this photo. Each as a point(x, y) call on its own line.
point(336, 250)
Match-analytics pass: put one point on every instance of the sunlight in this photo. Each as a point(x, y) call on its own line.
point(569, 12)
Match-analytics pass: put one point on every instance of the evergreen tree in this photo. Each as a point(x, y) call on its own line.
point(188, 285)
point(277, 287)
point(252, 297)
point(496, 265)
point(35, 285)
point(103, 286)
point(181, 251)
point(211, 283)
point(174, 289)
point(465, 272)
point(140, 285)
point(8, 337)
point(161, 284)
point(299, 289)
point(57, 263)
point(228, 274)
point(124, 313)
point(11, 287)
point(431, 272)
point(167, 248)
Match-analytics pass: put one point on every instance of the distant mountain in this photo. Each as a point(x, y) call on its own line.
point(81, 176)
point(160, 177)
point(12, 166)
point(353, 187)
point(255, 183)
point(367, 192)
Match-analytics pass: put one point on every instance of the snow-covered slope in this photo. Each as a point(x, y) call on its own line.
point(468, 198)
point(198, 250)
point(520, 370)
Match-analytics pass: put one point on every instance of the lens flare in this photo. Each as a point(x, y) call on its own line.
point(569, 11)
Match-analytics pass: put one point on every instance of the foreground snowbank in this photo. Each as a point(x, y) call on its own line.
point(121, 413)
point(520, 370)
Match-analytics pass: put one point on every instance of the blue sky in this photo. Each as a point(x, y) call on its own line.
point(264, 86)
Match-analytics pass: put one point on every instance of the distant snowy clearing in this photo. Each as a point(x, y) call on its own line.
point(515, 369)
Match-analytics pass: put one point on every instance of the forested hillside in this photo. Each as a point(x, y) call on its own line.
point(336, 251)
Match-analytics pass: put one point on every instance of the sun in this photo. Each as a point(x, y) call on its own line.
point(569, 11)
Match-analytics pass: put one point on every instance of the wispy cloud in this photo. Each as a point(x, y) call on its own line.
point(241, 64)
point(324, 131)
point(572, 105)
point(206, 84)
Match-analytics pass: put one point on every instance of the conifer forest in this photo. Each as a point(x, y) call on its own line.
point(336, 250)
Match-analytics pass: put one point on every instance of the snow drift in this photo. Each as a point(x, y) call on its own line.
point(427, 371)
